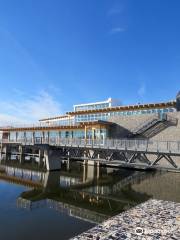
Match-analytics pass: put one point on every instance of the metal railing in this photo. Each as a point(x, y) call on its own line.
point(119, 144)
point(152, 121)
point(171, 119)
point(39, 125)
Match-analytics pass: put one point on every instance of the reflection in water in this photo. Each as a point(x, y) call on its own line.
point(88, 193)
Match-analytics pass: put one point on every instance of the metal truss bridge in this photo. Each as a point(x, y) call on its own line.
point(136, 153)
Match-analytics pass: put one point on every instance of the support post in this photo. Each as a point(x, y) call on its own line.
point(40, 158)
point(5, 151)
point(98, 168)
point(52, 160)
point(85, 134)
point(84, 172)
point(21, 158)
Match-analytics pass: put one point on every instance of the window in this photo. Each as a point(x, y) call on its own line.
point(12, 136)
point(20, 135)
point(29, 135)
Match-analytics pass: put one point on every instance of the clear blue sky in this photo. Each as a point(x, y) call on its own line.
point(75, 51)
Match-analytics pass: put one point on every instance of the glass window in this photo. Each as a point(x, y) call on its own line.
point(12, 136)
point(29, 135)
point(20, 135)
point(53, 134)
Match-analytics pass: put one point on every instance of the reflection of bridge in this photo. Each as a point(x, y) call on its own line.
point(128, 153)
point(83, 195)
point(71, 194)
point(117, 186)
point(24, 177)
point(85, 181)
point(132, 179)
point(71, 210)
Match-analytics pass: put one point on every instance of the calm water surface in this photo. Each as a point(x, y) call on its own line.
point(59, 205)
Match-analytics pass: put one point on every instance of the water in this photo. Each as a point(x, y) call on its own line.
point(61, 204)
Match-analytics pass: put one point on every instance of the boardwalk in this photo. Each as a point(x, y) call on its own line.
point(137, 145)
point(128, 152)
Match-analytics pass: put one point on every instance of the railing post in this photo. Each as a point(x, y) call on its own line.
point(136, 144)
point(178, 146)
point(147, 145)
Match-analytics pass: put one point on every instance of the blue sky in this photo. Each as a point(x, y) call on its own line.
point(57, 53)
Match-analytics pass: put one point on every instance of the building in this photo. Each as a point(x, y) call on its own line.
point(101, 120)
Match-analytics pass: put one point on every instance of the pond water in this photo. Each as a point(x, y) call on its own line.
point(62, 204)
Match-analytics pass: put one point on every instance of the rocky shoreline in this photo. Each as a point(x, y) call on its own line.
point(154, 219)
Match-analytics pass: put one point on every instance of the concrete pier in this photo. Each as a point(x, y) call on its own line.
point(154, 219)
point(52, 160)
point(43, 155)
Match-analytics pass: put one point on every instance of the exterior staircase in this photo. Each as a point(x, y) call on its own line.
point(154, 125)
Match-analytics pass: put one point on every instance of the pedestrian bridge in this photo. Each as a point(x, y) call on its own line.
point(137, 145)
point(122, 152)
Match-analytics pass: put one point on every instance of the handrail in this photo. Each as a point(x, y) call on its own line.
point(171, 119)
point(153, 120)
point(119, 144)
point(146, 124)
point(38, 125)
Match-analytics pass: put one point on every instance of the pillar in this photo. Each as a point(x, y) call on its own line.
point(43, 137)
point(1, 148)
point(40, 157)
point(93, 135)
point(68, 164)
point(84, 155)
point(33, 138)
point(16, 136)
point(90, 170)
point(52, 160)
point(5, 151)
point(85, 134)
point(98, 168)
point(85, 162)
point(25, 137)
point(48, 137)
point(21, 157)
point(46, 157)
point(84, 172)
point(1, 153)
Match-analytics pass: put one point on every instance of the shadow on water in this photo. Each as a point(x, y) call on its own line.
point(86, 193)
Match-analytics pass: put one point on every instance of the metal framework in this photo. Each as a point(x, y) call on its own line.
point(125, 157)
point(137, 153)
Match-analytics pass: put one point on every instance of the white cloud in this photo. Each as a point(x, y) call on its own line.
point(29, 108)
point(117, 30)
point(142, 90)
